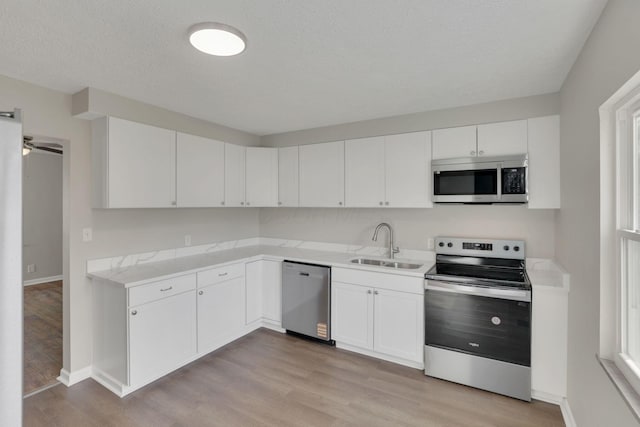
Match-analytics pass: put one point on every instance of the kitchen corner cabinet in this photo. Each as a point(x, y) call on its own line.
point(378, 314)
point(288, 182)
point(544, 162)
point(264, 293)
point(221, 306)
point(322, 174)
point(200, 171)
point(389, 171)
point(234, 175)
point(134, 165)
point(261, 176)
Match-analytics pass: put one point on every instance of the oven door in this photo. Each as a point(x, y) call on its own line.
point(485, 322)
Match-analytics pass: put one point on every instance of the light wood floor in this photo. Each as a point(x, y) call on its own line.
point(271, 379)
point(42, 335)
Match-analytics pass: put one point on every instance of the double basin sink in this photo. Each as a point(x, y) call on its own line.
point(386, 263)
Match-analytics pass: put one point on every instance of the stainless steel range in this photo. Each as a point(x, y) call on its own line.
point(478, 315)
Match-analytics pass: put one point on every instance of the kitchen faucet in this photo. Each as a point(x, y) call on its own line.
point(392, 250)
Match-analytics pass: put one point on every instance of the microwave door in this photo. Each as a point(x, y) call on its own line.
point(467, 185)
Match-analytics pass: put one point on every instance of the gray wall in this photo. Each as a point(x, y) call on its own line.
point(414, 226)
point(609, 58)
point(42, 214)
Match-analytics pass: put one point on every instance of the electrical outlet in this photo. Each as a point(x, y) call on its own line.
point(187, 239)
point(31, 268)
point(430, 244)
point(87, 234)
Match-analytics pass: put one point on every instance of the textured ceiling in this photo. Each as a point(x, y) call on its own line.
point(308, 63)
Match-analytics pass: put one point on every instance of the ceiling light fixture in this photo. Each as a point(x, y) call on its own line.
point(217, 39)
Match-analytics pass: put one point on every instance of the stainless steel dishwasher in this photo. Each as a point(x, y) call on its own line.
point(306, 299)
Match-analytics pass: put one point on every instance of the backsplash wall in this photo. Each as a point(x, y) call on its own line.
point(412, 227)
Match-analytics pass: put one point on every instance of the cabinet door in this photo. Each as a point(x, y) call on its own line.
point(141, 166)
point(322, 174)
point(544, 162)
point(272, 291)
point(408, 170)
point(261, 176)
point(398, 324)
point(221, 314)
point(288, 176)
point(352, 315)
point(234, 174)
point(162, 335)
point(253, 280)
point(364, 172)
point(200, 172)
point(454, 142)
point(502, 139)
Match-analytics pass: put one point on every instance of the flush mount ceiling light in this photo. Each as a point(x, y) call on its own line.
point(217, 39)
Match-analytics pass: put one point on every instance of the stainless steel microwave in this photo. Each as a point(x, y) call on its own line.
point(481, 180)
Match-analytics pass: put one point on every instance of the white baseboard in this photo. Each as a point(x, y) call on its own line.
point(399, 361)
point(42, 280)
point(567, 414)
point(547, 397)
point(70, 378)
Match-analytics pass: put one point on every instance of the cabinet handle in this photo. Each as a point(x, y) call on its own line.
point(369, 291)
point(386, 203)
point(473, 153)
point(279, 203)
point(248, 203)
point(340, 203)
point(134, 312)
point(375, 292)
point(201, 292)
point(166, 289)
point(381, 203)
point(241, 203)
point(222, 203)
point(173, 203)
point(480, 153)
point(223, 274)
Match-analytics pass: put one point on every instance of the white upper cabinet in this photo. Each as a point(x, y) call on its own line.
point(408, 170)
point(365, 172)
point(134, 165)
point(234, 163)
point(502, 139)
point(454, 142)
point(288, 182)
point(544, 162)
point(261, 176)
point(322, 174)
point(200, 171)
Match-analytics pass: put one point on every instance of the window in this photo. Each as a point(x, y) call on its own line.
point(627, 358)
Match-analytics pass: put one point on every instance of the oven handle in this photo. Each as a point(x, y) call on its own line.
point(510, 294)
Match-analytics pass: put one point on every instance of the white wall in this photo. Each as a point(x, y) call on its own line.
point(42, 214)
point(414, 226)
point(609, 58)
point(48, 112)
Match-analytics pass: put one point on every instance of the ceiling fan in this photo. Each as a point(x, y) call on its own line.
point(28, 144)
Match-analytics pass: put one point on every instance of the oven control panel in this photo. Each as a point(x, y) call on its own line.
point(511, 249)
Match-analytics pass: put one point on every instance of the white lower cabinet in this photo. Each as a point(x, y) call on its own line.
point(162, 335)
point(264, 292)
point(385, 320)
point(221, 313)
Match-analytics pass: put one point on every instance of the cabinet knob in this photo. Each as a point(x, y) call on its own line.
point(369, 291)
point(248, 203)
point(279, 203)
point(340, 203)
point(386, 203)
point(201, 292)
point(241, 203)
point(134, 312)
point(473, 153)
point(480, 153)
point(222, 203)
point(381, 203)
point(173, 203)
point(375, 292)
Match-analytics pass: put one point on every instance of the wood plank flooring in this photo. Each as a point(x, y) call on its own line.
point(42, 335)
point(272, 379)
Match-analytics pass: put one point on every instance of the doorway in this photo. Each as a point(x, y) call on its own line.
point(42, 261)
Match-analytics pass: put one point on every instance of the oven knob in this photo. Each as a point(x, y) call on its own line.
point(516, 248)
point(496, 320)
point(450, 245)
point(505, 247)
point(441, 244)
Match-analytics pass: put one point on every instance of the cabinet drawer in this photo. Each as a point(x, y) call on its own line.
point(164, 288)
point(392, 282)
point(220, 274)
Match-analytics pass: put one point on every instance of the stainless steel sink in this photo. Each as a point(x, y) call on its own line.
point(384, 263)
